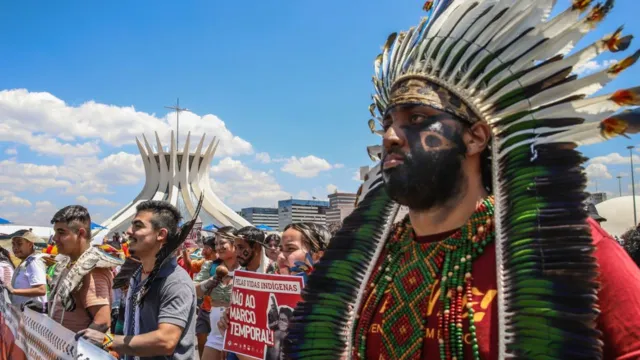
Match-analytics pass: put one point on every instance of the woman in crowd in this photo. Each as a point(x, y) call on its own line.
point(6, 266)
point(219, 289)
point(273, 246)
point(303, 245)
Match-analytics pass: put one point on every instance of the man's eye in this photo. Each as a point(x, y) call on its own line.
point(416, 119)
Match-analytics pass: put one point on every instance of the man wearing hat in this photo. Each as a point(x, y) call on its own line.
point(593, 213)
point(29, 281)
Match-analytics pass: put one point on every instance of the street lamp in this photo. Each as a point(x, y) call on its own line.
point(633, 186)
point(620, 184)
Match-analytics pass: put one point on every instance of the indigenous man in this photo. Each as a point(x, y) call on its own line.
point(29, 280)
point(251, 252)
point(81, 293)
point(162, 324)
point(431, 291)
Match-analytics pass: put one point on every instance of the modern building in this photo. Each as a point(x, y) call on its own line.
point(340, 206)
point(180, 177)
point(296, 210)
point(261, 216)
point(597, 197)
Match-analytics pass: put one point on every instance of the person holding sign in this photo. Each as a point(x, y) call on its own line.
point(218, 288)
point(302, 246)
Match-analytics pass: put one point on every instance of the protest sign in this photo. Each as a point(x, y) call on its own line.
point(29, 335)
point(261, 308)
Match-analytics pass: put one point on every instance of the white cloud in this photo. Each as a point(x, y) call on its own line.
point(83, 200)
point(593, 66)
point(338, 166)
point(306, 167)
point(239, 186)
point(42, 143)
point(40, 120)
point(614, 159)
point(331, 189)
point(598, 171)
point(356, 176)
point(38, 215)
point(263, 157)
point(11, 151)
point(78, 175)
point(10, 200)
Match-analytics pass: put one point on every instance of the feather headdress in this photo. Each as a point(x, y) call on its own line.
point(505, 63)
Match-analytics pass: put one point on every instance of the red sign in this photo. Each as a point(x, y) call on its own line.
point(261, 309)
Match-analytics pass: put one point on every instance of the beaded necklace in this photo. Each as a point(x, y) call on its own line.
point(410, 270)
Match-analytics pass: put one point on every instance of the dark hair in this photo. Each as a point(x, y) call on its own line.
point(165, 215)
point(287, 311)
point(334, 227)
point(251, 235)
point(5, 256)
point(75, 216)
point(210, 242)
point(315, 236)
point(272, 237)
point(227, 230)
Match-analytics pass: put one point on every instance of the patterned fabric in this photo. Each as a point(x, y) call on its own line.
point(90, 259)
point(408, 271)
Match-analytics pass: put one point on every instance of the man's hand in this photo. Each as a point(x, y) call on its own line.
point(94, 336)
point(223, 323)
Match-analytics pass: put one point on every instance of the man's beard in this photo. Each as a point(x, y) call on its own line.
point(425, 179)
point(247, 257)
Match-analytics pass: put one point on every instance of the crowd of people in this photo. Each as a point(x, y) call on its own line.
point(169, 305)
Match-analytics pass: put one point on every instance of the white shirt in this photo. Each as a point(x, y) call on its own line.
point(31, 272)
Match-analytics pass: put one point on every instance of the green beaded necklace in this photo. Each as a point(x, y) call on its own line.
point(413, 280)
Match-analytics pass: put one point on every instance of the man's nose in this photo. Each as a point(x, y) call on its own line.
point(391, 138)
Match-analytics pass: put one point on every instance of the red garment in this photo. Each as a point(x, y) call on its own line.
point(184, 266)
point(619, 302)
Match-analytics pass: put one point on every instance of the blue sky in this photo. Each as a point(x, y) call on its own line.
point(287, 78)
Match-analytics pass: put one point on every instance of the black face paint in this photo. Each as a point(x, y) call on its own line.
point(431, 172)
point(247, 256)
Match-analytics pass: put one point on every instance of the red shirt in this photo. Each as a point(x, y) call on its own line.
point(619, 301)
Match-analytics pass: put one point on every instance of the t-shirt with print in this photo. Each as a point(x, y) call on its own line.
point(95, 291)
point(31, 272)
point(619, 296)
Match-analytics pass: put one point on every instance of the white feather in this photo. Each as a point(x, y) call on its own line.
point(585, 86)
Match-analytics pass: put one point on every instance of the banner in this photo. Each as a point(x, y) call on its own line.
point(29, 335)
point(261, 308)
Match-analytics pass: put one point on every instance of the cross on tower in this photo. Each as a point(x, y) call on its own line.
point(177, 109)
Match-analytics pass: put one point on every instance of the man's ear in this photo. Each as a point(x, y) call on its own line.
point(162, 235)
point(477, 138)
